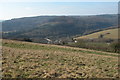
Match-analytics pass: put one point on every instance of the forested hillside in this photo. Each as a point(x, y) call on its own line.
point(55, 27)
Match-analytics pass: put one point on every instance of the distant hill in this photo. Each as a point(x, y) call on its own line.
point(107, 34)
point(55, 27)
point(25, 23)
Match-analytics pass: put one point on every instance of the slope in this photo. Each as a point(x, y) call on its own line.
point(32, 60)
point(107, 34)
point(67, 26)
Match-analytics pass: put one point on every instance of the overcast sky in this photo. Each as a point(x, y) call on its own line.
point(9, 10)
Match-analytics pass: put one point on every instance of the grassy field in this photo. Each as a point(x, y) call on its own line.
point(113, 34)
point(32, 60)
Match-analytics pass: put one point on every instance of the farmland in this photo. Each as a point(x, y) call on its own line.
point(102, 40)
point(33, 60)
point(108, 34)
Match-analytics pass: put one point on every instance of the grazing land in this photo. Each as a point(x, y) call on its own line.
point(107, 34)
point(103, 40)
point(33, 60)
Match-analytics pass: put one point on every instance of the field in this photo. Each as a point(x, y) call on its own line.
point(107, 34)
point(33, 60)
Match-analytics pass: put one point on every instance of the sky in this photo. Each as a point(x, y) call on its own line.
point(59, 0)
point(13, 9)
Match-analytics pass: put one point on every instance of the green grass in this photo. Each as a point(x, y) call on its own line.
point(113, 34)
point(35, 47)
point(44, 47)
point(32, 60)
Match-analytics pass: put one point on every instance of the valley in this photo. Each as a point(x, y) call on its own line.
point(60, 47)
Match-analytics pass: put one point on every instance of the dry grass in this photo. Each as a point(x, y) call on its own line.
point(31, 60)
point(113, 34)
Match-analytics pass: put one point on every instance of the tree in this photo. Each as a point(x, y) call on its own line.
point(101, 36)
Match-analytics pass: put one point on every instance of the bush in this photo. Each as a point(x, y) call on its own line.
point(116, 47)
point(101, 46)
point(27, 39)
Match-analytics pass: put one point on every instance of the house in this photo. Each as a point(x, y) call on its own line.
point(48, 40)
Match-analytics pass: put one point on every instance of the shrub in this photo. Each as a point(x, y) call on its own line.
point(27, 39)
point(116, 47)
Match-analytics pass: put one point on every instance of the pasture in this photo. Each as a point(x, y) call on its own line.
point(33, 60)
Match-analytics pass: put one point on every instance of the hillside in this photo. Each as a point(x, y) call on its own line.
point(55, 27)
point(32, 60)
point(107, 34)
point(26, 23)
